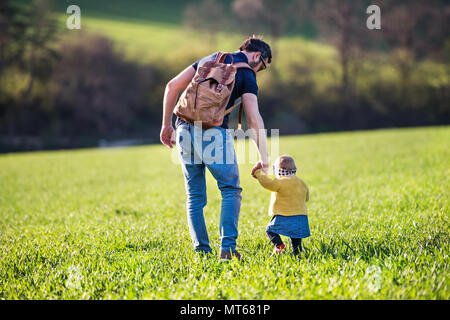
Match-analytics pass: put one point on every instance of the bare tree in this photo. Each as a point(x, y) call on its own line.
point(417, 26)
point(12, 34)
point(342, 23)
point(207, 16)
point(40, 33)
point(256, 15)
point(414, 29)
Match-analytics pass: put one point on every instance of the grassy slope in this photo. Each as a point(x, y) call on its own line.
point(149, 31)
point(110, 223)
point(153, 30)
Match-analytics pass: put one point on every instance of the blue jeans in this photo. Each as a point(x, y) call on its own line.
point(212, 148)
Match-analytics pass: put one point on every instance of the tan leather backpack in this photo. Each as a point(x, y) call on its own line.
point(207, 95)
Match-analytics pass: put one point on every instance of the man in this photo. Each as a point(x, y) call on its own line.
point(258, 55)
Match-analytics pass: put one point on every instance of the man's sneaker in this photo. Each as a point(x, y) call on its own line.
point(279, 250)
point(227, 255)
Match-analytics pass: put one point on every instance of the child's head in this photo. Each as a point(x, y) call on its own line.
point(284, 166)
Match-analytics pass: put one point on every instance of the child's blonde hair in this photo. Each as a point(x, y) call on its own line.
point(285, 162)
point(284, 166)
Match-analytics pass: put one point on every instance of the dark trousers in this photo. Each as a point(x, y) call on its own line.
point(276, 240)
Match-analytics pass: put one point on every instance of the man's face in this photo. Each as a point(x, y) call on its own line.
point(257, 62)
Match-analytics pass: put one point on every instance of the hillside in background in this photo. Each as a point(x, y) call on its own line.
point(163, 12)
point(74, 88)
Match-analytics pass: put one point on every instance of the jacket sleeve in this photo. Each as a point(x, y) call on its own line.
point(271, 184)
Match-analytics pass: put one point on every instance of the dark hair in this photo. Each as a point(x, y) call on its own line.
point(254, 44)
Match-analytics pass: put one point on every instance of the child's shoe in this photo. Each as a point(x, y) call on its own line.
point(279, 250)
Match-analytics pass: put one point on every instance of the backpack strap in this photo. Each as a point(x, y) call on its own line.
point(223, 55)
point(220, 57)
point(237, 102)
point(243, 65)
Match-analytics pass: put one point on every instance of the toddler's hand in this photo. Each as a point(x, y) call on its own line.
point(257, 166)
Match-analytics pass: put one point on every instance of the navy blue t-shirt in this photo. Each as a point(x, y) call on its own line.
point(245, 82)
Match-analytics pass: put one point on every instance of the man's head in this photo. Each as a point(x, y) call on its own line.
point(258, 53)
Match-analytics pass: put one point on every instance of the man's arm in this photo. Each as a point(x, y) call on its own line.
point(173, 88)
point(258, 134)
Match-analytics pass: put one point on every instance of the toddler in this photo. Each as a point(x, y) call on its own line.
point(287, 204)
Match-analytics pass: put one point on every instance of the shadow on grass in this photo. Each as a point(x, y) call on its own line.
point(126, 212)
point(145, 246)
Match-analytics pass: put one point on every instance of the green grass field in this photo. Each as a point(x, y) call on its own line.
point(110, 224)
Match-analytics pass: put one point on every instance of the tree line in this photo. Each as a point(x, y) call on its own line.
point(72, 91)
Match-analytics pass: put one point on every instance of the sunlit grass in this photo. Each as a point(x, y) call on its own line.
point(110, 224)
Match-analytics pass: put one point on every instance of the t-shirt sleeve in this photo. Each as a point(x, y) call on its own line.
point(210, 57)
point(249, 84)
point(195, 65)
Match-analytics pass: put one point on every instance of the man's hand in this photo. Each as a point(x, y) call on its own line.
point(260, 165)
point(167, 136)
point(173, 88)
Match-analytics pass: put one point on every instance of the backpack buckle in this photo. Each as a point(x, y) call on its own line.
point(219, 87)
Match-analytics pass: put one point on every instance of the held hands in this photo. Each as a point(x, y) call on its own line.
point(260, 165)
point(167, 136)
